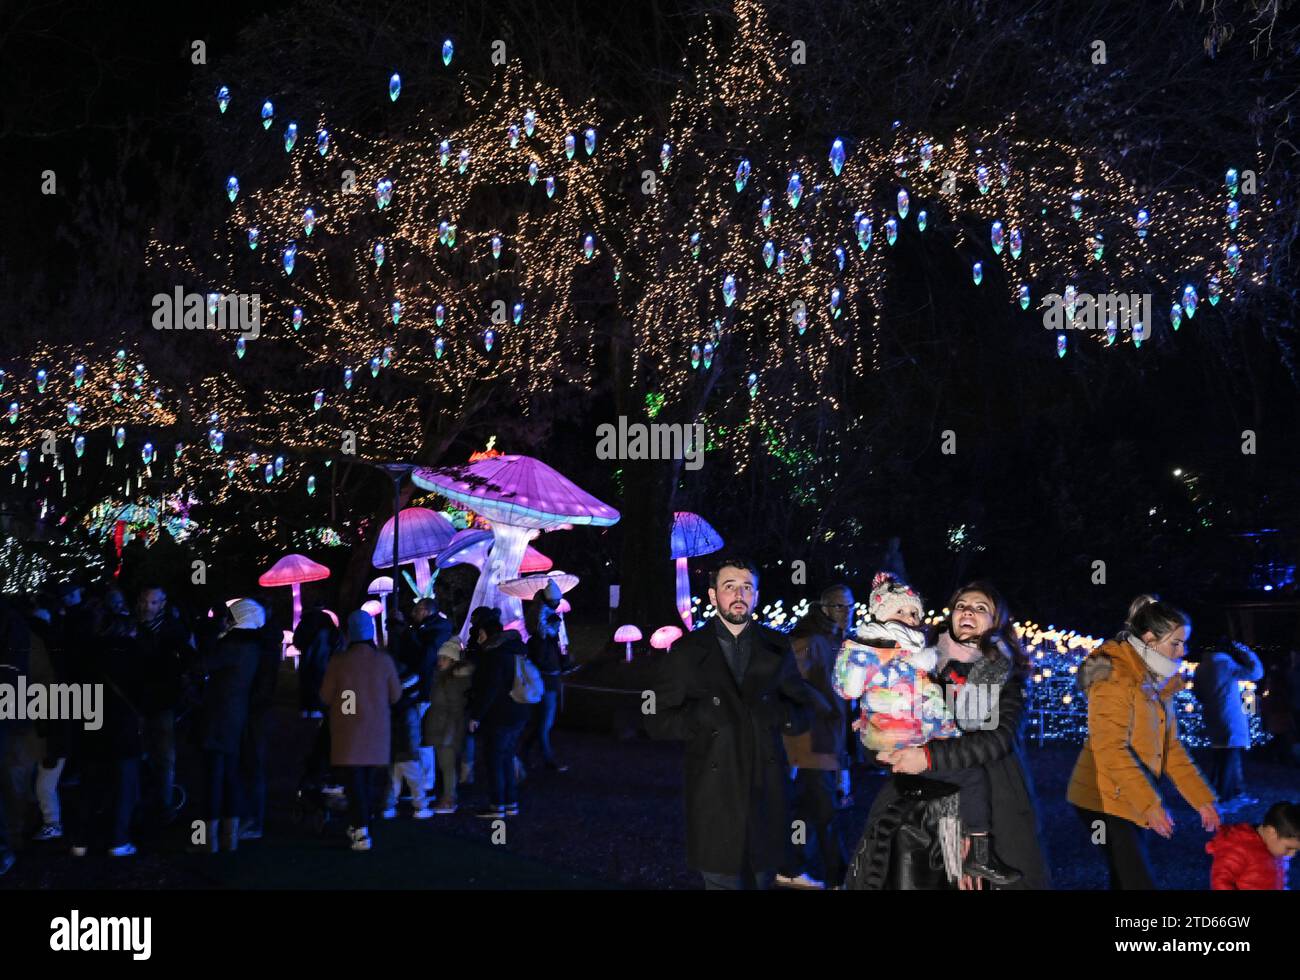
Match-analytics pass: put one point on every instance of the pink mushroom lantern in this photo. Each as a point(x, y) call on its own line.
point(423, 534)
point(293, 570)
point(692, 536)
point(628, 634)
point(665, 636)
point(382, 587)
point(521, 497)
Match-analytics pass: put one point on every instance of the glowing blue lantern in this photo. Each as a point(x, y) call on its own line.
point(1016, 243)
point(927, 156)
point(74, 413)
point(1111, 332)
point(806, 250)
point(840, 257)
point(311, 486)
point(288, 257)
point(1071, 297)
point(496, 246)
point(550, 186)
point(41, 380)
point(589, 141)
point(375, 363)
point(1176, 315)
point(837, 156)
point(904, 202)
point(120, 437)
point(864, 232)
point(396, 309)
point(241, 346)
point(253, 235)
point(1023, 293)
point(379, 254)
point(570, 145)
point(268, 113)
point(1234, 214)
point(780, 262)
point(146, 453)
point(309, 221)
point(279, 466)
point(1141, 222)
point(232, 188)
point(1098, 245)
point(530, 122)
point(1060, 345)
point(1214, 290)
point(230, 469)
point(891, 231)
point(290, 136)
point(835, 302)
point(800, 317)
point(1004, 173)
point(794, 189)
point(448, 49)
point(79, 446)
point(439, 346)
point(695, 356)
point(665, 156)
point(742, 175)
point(443, 228)
point(387, 357)
point(1233, 257)
point(977, 272)
point(216, 440)
point(921, 218)
point(462, 162)
point(729, 289)
point(518, 312)
point(223, 99)
point(982, 178)
point(489, 338)
point(995, 237)
point(451, 236)
point(13, 412)
point(532, 173)
point(1189, 301)
point(765, 212)
point(708, 356)
point(269, 472)
point(444, 153)
point(439, 314)
point(1230, 179)
point(78, 375)
point(1076, 205)
point(23, 459)
point(513, 133)
point(769, 253)
point(297, 318)
point(395, 86)
point(589, 246)
point(323, 142)
point(347, 378)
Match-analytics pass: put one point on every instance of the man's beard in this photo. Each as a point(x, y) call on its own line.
point(735, 619)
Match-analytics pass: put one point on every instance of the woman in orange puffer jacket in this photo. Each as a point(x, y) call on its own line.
point(1133, 741)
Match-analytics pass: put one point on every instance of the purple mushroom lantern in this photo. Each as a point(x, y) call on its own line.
point(527, 586)
point(692, 536)
point(665, 636)
point(423, 534)
point(521, 497)
point(628, 634)
point(293, 570)
point(471, 546)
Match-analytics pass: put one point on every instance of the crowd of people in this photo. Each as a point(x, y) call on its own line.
point(395, 717)
point(764, 719)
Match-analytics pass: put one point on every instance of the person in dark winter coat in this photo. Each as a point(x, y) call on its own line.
point(543, 624)
point(1217, 685)
point(444, 722)
point(253, 751)
point(316, 639)
point(360, 687)
point(109, 757)
point(730, 690)
point(417, 647)
point(406, 765)
point(230, 665)
point(14, 656)
point(165, 648)
point(499, 715)
point(980, 619)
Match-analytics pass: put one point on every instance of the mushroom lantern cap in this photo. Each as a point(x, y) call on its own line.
point(424, 533)
point(292, 570)
point(380, 586)
point(627, 634)
point(519, 491)
point(692, 536)
point(665, 636)
point(528, 586)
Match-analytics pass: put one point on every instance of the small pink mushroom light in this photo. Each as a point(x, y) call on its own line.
point(665, 636)
point(382, 587)
point(692, 536)
point(293, 570)
point(628, 634)
point(424, 533)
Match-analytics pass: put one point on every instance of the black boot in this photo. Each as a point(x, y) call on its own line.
point(981, 862)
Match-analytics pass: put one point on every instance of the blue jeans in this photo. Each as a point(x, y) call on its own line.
point(540, 725)
point(499, 743)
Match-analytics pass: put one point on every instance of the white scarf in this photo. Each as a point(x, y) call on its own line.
point(1156, 662)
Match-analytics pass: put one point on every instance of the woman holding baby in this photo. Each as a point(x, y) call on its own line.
point(978, 670)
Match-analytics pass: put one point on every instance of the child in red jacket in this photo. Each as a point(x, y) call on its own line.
point(1250, 858)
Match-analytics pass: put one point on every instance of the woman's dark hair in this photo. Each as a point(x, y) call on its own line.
point(1147, 614)
point(1284, 817)
point(489, 621)
point(1001, 634)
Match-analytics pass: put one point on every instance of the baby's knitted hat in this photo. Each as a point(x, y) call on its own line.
point(890, 596)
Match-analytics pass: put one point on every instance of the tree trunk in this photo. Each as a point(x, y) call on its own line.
point(647, 574)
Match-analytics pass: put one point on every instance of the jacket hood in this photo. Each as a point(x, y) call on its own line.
point(1234, 835)
point(1116, 655)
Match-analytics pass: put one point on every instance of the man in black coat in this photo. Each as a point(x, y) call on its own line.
point(731, 690)
point(416, 648)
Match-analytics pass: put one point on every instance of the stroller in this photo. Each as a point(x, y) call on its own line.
point(312, 805)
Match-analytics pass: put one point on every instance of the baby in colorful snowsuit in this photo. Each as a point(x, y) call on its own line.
point(886, 666)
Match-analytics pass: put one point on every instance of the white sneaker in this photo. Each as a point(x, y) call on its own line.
point(802, 881)
point(390, 813)
point(126, 850)
point(360, 839)
point(424, 813)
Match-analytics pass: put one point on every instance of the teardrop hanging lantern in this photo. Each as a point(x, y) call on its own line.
point(904, 202)
point(729, 289)
point(290, 136)
point(530, 123)
point(268, 113)
point(223, 99)
point(589, 141)
point(742, 175)
point(695, 356)
point(323, 142)
point(253, 235)
point(1017, 244)
point(794, 190)
point(297, 318)
point(394, 86)
point(232, 188)
point(665, 156)
point(288, 257)
point(995, 237)
point(448, 49)
point(837, 156)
